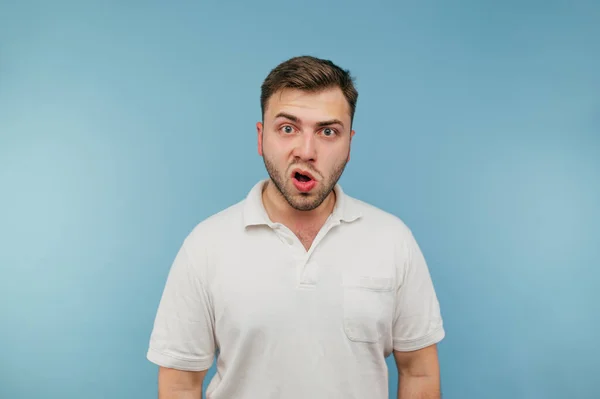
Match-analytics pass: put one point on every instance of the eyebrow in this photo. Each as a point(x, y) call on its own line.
point(330, 122)
point(287, 116)
point(318, 124)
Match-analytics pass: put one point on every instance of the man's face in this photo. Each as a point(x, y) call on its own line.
point(305, 144)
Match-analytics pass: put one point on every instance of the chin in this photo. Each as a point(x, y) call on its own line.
point(305, 201)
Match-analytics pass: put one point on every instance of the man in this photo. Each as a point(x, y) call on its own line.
point(302, 290)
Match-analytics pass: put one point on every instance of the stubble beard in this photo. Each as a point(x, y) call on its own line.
point(303, 201)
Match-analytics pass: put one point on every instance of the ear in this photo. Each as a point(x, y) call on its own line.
point(259, 133)
point(351, 135)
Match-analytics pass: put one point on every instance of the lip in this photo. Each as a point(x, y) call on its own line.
point(303, 172)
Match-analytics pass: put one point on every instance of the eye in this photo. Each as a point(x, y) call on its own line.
point(287, 129)
point(329, 132)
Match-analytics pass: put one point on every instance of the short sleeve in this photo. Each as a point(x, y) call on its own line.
point(182, 337)
point(417, 320)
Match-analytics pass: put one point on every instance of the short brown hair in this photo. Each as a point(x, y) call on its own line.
point(309, 74)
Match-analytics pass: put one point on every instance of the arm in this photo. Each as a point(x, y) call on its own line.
point(418, 327)
point(182, 342)
point(418, 374)
point(180, 384)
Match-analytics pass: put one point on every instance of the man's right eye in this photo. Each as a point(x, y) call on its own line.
point(287, 129)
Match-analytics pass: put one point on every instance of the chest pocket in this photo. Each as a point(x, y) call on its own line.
point(368, 305)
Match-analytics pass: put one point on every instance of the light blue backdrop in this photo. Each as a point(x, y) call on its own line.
point(123, 124)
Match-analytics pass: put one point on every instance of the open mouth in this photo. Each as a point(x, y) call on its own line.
point(302, 178)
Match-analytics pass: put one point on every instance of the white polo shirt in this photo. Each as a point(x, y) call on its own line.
point(287, 323)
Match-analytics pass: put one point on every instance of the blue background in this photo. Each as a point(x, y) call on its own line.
point(123, 124)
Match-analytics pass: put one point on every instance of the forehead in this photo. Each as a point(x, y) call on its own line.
point(310, 106)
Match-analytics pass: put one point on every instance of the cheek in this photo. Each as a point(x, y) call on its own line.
point(275, 149)
point(331, 159)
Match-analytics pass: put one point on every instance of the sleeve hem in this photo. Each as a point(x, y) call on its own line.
point(415, 344)
point(165, 360)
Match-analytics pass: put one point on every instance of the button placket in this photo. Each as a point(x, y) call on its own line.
point(299, 254)
point(306, 271)
point(300, 259)
point(309, 273)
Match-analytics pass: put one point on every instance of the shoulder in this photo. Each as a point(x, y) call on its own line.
point(215, 229)
point(385, 234)
point(378, 220)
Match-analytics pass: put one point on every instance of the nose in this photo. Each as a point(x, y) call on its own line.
point(305, 148)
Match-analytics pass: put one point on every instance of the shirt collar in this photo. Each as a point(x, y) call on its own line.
point(254, 213)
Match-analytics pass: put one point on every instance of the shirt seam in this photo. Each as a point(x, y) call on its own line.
point(183, 359)
point(423, 338)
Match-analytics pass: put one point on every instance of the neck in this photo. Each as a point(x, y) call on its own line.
point(280, 211)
